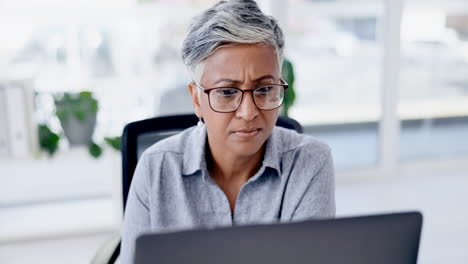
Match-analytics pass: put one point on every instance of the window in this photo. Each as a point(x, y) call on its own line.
point(336, 50)
point(433, 91)
point(125, 52)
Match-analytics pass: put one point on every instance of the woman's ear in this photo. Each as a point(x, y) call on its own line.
point(193, 89)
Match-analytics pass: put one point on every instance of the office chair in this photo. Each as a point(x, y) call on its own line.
point(137, 137)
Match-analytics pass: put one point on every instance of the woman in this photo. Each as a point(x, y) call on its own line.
point(236, 167)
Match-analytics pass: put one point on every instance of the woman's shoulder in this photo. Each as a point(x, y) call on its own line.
point(289, 140)
point(173, 144)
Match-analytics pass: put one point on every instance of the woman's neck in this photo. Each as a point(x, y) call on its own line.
point(229, 167)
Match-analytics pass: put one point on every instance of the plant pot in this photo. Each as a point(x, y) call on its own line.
point(78, 132)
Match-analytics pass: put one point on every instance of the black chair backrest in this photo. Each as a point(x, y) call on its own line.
point(139, 135)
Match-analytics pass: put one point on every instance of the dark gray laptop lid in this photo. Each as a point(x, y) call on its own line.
point(389, 238)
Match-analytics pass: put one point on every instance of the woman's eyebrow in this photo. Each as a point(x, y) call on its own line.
point(239, 82)
point(264, 78)
point(228, 81)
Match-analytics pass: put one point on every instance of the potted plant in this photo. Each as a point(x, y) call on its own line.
point(77, 114)
point(290, 96)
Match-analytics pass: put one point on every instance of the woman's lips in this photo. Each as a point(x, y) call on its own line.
point(248, 133)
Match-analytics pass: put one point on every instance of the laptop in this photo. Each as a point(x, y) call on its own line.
point(385, 238)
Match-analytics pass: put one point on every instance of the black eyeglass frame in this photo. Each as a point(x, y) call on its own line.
point(284, 84)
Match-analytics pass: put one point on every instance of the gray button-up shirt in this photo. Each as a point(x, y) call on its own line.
point(172, 189)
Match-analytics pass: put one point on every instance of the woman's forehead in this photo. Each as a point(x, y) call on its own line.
point(240, 63)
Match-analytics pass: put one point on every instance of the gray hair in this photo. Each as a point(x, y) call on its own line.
point(226, 23)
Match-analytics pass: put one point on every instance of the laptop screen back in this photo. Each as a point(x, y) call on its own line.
point(391, 238)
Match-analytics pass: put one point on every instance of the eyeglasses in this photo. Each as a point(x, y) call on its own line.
point(228, 99)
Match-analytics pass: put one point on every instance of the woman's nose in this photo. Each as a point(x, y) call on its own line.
point(247, 109)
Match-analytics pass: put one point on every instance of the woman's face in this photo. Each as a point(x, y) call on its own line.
point(245, 66)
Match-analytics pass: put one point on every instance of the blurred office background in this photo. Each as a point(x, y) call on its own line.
point(383, 82)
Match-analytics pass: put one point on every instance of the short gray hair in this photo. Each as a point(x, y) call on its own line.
point(229, 22)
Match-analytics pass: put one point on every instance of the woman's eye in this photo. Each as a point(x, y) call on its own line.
point(264, 89)
point(227, 91)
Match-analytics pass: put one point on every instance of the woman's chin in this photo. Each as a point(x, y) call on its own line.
point(246, 144)
point(245, 150)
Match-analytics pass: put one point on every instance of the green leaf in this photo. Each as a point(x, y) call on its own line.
point(86, 95)
point(114, 142)
point(80, 115)
point(94, 106)
point(67, 97)
point(95, 150)
point(48, 140)
point(61, 115)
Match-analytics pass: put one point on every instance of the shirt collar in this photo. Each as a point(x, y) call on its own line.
point(272, 158)
point(194, 152)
